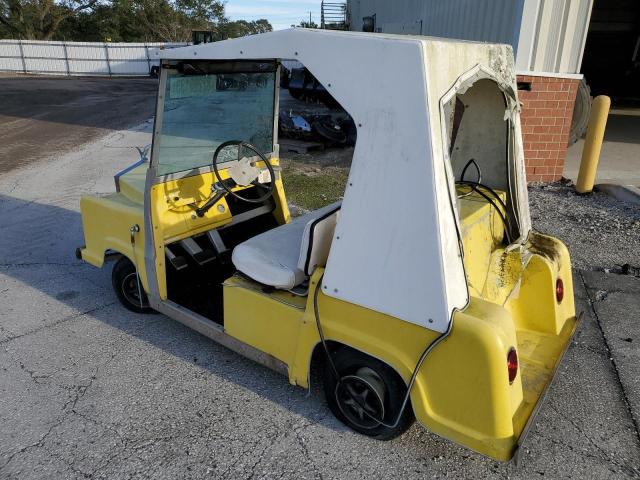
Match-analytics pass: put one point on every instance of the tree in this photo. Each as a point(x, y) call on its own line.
point(309, 24)
point(241, 28)
point(38, 19)
point(163, 22)
point(199, 10)
point(120, 20)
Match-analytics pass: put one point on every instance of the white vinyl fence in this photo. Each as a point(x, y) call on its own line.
point(79, 58)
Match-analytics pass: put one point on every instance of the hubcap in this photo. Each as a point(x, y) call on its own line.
point(360, 398)
point(131, 292)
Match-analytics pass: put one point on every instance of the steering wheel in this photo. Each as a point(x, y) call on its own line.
point(244, 172)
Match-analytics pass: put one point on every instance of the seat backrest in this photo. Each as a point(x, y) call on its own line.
point(316, 240)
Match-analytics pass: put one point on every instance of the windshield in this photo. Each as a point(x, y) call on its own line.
point(208, 103)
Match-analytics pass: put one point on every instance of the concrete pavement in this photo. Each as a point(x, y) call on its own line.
point(91, 390)
point(615, 303)
point(620, 156)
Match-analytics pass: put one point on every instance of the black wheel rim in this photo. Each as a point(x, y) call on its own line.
point(130, 290)
point(361, 399)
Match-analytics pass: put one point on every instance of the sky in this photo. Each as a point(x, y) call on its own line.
point(280, 13)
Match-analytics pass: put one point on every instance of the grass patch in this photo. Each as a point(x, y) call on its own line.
point(312, 187)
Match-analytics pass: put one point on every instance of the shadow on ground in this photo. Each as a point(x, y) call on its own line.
point(54, 246)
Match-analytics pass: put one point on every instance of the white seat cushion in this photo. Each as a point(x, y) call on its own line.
point(275, 258)
point(316, 240)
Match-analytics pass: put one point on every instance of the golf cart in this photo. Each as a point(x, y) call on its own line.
point(423, 294)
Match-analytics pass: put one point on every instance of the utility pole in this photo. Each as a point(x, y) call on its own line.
point(309, 18)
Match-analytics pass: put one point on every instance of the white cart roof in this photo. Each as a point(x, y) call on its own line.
point(395, 248)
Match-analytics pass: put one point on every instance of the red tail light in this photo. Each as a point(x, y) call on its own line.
point(512, 364)
point(559, 290)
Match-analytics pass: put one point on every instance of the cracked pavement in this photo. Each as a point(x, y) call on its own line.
point(91, 390)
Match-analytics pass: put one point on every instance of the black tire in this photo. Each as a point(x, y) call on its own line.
point(125, 284)
point(360, 368)
point(330, 131)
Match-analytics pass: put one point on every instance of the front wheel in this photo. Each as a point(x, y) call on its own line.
point(369, 391)
point(125, 283)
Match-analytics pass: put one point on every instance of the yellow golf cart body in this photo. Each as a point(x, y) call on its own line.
point(420, 272)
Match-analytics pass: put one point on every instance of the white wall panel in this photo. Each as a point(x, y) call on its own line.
point(123, 67)
point(87, 51)
point(45, 65)
point(10, 64)
point(79, 58)
point(9, 48)
point(88, 67)
point(40, 50)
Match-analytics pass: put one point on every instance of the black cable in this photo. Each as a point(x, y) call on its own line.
point(464, 171)
point(478, 183)
point(475, 164)
point(486, 187)
point(474, 187)
point(412, 380)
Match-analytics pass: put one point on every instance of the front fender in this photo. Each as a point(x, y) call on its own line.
point(106, 222)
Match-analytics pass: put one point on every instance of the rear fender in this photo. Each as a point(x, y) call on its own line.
point(535, 306)
point(462, 391)
point(390, 340)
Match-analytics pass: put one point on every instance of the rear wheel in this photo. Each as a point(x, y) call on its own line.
point(369, 391)
point(125, 283)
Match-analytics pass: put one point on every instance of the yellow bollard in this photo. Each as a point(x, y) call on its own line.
point(593, 144)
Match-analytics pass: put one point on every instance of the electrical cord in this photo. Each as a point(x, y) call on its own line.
point(505, 221)
point(479, 181)
point(475, 164)
point(475, 186)
point(414, 375)
point(464, 171)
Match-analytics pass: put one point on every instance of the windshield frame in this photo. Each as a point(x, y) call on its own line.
point(216, 66)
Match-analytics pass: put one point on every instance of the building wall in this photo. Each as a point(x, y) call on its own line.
point(494, 21)
point(546, 119)
point(552, 35)
point(547, 36)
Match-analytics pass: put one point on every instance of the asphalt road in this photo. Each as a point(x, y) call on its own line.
point(91, 390)
point(43, 116)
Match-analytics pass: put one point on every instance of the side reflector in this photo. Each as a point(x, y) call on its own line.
point(559, 290)
point(512, 364)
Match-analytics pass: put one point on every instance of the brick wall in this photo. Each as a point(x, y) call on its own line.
point(546, 119)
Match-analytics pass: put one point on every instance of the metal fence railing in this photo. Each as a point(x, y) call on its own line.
point(333, 16)
point(80, 58)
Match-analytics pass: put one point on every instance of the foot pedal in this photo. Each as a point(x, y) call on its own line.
point(178, 262)
point(198, 254)
point(301, 290)
point(216, 239)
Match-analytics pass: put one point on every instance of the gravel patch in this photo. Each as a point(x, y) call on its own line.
point(600, 231)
